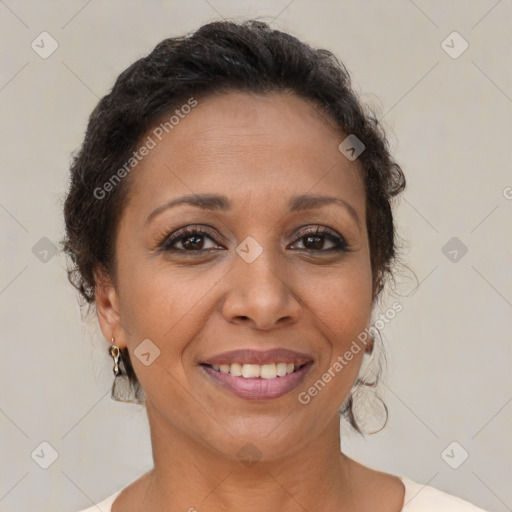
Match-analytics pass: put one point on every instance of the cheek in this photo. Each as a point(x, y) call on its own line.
point(342, 305)
point(159, 306)
point(342, 299)
point(157, 296)
point(168, 306)
point(338, 370)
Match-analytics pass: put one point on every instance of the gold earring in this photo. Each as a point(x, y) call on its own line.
point(116, 355)
point(122, 388)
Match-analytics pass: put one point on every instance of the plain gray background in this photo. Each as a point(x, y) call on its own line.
point(449, 124)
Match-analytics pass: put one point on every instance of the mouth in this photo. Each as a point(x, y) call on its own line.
point(256, 371)
point(257, 382)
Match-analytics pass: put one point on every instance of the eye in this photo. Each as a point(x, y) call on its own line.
point(314, 240)
point(194, 239)
point(191, 239)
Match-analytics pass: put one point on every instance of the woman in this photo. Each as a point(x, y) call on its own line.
point(229, 219)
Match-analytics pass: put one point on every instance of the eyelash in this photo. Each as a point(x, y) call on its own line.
point(183, 233)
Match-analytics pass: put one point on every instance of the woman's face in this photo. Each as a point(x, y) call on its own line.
point(252, 274)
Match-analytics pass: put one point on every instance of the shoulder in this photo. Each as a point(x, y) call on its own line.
point(105, 505)
point(423, 498)
point(126, 495)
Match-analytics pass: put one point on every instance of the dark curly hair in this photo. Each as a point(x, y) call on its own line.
point(219, 57)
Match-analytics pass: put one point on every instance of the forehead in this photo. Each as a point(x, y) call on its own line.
point(247, 145)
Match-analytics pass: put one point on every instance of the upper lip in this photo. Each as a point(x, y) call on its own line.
point(249, 356)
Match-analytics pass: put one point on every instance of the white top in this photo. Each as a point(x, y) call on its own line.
point(418, 498)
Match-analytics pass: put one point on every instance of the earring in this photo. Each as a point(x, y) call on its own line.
point(116, 355)
point(122, 388)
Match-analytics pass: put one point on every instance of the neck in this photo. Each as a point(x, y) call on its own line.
point(190, 475)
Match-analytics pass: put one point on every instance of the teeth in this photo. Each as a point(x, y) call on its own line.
point(224, 368)
point(281, 369)
point(251, 371)
point(235, 369)
point(268, 371)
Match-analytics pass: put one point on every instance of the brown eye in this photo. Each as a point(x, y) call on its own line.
point(315, 240)
point(190, 239)
point(196, 240)
point(315, 243)
point(193, 242)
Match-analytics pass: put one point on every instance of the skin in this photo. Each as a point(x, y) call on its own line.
point(259, 151)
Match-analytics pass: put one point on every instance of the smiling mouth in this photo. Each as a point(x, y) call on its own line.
point(256, 371)
point(257, 382)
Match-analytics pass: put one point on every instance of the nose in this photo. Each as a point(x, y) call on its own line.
point(260, 293)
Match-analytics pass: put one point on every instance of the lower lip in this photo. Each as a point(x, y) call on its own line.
point(257, 388)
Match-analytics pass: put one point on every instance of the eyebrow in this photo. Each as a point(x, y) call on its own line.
point(217, 202)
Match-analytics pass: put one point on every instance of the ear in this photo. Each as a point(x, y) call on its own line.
point(107, 307)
